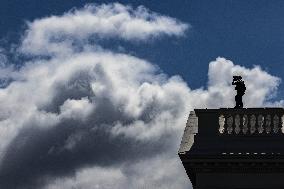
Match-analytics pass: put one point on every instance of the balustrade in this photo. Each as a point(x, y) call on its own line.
point(251, 123)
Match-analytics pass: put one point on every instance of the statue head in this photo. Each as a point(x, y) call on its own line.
point(237, 78)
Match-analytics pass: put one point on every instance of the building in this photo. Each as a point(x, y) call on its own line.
point(234, 148)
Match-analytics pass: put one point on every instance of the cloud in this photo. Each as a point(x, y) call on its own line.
point(51, 34)
point(88, 117)
point(159, 172)
point(261, 86)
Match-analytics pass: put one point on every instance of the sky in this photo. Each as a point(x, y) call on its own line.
point(96, 94)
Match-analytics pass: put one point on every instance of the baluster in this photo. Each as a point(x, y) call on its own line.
point(237, 124)
point(245, 123)
point(230, 124)
point(221, 124)
point(260, 121)
point(252, 124)
point(282, 123)
point(267, 124)
point(275, 124)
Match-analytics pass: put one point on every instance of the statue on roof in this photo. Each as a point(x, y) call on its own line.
point(240, 88)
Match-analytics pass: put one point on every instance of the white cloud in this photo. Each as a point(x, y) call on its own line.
point(3, 58)
point(160, 172)
point(119, 95)
point(92, 178)
point(76, 109)
point(260, 86)
point(52, 34)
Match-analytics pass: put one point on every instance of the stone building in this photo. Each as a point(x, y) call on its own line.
point(234, 148)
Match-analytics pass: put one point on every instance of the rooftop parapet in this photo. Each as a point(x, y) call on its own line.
point(258, 121)
point(234, 131)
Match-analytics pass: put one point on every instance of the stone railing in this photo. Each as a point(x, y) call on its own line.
point(248, 122)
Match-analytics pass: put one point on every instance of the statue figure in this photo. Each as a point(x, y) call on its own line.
point(240, 88)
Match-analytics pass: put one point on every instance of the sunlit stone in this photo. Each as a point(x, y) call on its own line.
point(221, 124)
point(260, 122)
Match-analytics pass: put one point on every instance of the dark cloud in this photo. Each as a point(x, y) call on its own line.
point(37, 153)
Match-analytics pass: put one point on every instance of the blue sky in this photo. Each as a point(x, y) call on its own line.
point(246, 32)
point(96, 93)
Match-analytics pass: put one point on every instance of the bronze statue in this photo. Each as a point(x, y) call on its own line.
point(241, 88)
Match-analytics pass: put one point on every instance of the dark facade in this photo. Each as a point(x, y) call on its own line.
point(234, 148)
